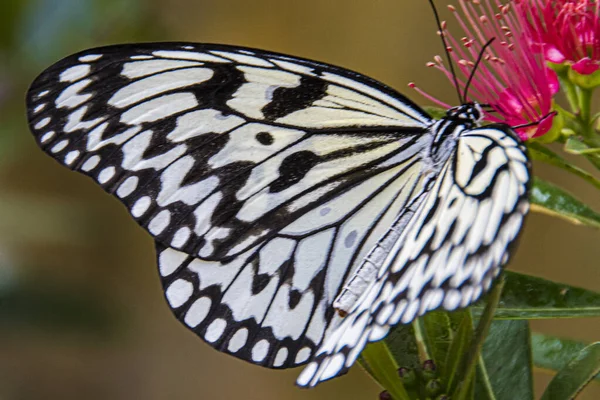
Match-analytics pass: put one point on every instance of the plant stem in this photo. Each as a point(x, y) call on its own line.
point(480, 334)
point(487, 385)
point(570, 92)
point(585, 104)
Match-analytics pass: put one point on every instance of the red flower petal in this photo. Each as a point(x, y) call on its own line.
point(554, 55)
point(585, 66)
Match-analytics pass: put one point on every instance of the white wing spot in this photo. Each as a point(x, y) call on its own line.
point(141, 57)
point(39, 108)
point(260, 350)
point(90, 57)
point(487, 283)
point(60, 146)
point(106, 174)
point(238, 340)
point(179, 292)
point(127, 187)
point(215, 330)
point(385, 313)
point(170, 260)
point(71, 157)
point(336, 362)
point(140, 206)
point(160, 222)
point(411, 310)
point(378, 332)
point(75, 73)
point(197, 312)
point(307, 374)
point(47, 136)
point(467, 295)
point(42, 93)
point(282, 355)
point(75, 121)
point(398, 312)
point(70, 97)
point(452, 300)
point(181, 237)
point(302, 355)
point(90, 163)
point(42, 123)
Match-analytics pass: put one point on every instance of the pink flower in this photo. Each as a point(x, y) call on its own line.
point(567, 31)
point(512, 79)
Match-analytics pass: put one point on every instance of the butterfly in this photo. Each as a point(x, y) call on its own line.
point(299, 210)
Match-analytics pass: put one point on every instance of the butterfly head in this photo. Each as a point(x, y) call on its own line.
point(469, 113)
point(467, 116)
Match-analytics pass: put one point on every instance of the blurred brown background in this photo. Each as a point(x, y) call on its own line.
point(82, 314)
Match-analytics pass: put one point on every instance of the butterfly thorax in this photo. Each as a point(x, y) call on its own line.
point(446, 130)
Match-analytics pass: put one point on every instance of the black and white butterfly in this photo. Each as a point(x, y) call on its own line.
point(299, 209)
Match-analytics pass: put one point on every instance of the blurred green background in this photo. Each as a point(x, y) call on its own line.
point(82, 314)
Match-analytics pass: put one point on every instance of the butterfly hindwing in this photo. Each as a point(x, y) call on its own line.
point(450, 251)
point(273, 305)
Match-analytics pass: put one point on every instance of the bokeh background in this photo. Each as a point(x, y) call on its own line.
point(82, 314)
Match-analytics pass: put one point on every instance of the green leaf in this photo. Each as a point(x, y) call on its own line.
point(541, 153)
point(576, 146)
point(436, 334)
point(378, 361)
point(504, 371)
point(458, 347)
point(550, 199)
point(575, 376)
point(403, 346)
point(530, 297)
point(436, 112)
point(552, 353)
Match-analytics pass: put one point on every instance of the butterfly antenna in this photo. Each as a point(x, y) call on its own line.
point(534, 123)
point(477, 62)
point(439, 24)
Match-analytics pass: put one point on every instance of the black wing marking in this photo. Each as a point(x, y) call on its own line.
point(215, 148)
point(272, 305)
point(460, 237)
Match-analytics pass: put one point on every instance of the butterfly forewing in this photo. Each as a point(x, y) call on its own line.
point(212, 148)
point(299, 209)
